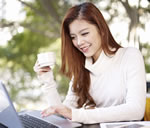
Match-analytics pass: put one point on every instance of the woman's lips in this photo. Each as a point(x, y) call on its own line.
point(85, 49)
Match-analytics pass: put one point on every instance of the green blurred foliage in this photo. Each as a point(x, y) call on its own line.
point(145, 49)
point(41, 33)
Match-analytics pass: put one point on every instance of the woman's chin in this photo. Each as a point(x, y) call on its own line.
point(87, 55)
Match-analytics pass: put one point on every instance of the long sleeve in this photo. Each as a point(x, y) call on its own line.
point(49, 88)
point(71, 98)
point(133, 107)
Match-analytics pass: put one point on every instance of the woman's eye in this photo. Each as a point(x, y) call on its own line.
point(83, 34)
point(72, 38)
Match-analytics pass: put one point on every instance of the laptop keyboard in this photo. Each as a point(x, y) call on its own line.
point(32, 122)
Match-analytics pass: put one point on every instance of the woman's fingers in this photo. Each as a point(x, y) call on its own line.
point(44, 69)
point(60, 109)
point(36, 66)
point(40, 70)
point(49, 111)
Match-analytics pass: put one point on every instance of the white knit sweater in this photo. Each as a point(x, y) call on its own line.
point(118, 87)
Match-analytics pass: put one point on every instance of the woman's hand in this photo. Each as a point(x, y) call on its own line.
point(44, 74)
point(59, 109)
point(40, 70)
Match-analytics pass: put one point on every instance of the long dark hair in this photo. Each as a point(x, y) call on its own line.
point(73, 60)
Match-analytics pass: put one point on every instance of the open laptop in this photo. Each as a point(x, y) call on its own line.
point(9, 118)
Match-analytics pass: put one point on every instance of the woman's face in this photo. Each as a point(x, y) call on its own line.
point(86, 38)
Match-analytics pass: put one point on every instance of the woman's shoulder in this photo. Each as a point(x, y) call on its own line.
point(128, 54)
point(131, 56)
point(130, 51)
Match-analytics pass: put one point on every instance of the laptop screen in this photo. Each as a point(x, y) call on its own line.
point(3, 100)
point(8, 114)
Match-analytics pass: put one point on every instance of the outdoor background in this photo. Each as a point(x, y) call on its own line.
point(28, 27)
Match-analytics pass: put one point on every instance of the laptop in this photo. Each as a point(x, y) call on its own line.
point(9, 118)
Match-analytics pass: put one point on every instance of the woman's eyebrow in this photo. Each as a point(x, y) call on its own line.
point(80, 31)
point(83, 30)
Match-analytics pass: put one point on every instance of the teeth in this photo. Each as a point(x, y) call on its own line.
point(85, 48)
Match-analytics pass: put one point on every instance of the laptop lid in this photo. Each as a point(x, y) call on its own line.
point(8, 114)
point(9, 117)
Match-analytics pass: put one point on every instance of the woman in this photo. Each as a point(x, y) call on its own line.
point(107, 81)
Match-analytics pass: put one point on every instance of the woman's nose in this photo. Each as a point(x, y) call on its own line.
point(80, 42)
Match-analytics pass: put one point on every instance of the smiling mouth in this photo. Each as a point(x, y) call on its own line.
point(85, 49)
